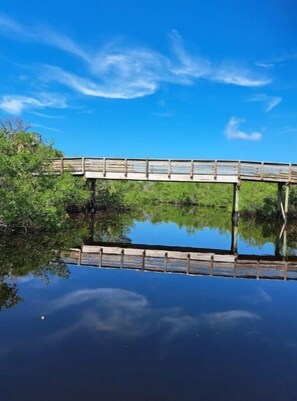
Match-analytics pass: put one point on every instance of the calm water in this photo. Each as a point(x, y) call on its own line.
point(79, 333)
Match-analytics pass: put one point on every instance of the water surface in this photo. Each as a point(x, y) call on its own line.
point(77, 333)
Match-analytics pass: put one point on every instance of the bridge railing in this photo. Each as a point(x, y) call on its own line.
point(192, 263)
point(178, 170)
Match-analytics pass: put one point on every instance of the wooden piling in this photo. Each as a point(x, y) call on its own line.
point(91, 185)
point(235, 206)
point(234, 239)
point(285, 244)
point(279, 200)
point(287, 193)
point(283, 204)
point(93, 190)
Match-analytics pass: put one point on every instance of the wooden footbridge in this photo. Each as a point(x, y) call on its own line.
point(198, 171)
point(222, 171)
point(191, 261)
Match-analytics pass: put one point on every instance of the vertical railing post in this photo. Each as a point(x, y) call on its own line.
point(62, 164)
point(126, 167)
point(104, 167)
point(100, 257)
point(188, 263)
point(83, 166)
point(192, 169)
point(211, 265)
point(166, 262)
point(215, 170)
point(147, 168)
point(169, 169)
point(290, 173)
point(239, 171)
point(258, 270)
point(122, 258)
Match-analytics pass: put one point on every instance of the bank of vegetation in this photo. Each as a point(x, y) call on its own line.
point(33, 197)
point(257, 200)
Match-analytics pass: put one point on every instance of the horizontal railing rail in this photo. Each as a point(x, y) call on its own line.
point(227, 171)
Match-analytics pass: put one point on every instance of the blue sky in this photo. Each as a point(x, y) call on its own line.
point(173, 79)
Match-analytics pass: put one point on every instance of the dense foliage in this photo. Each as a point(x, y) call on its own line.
point(31, 195)
point(256, 199)
point(37, 254)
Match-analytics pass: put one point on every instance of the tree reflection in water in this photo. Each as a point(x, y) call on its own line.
point(38, 254)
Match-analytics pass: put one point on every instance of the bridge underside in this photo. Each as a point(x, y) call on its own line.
point(207, 178)
point(197, 171)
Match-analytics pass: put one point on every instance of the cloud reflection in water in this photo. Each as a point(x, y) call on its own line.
point(128, 314)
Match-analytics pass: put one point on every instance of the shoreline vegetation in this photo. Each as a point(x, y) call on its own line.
point(39, 253)
point(31, 196)
point(257, 200)
point(34, 198)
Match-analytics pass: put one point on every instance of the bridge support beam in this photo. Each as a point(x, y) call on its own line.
point(281, 244)
point(234, 239)
point(283, 203)
point(91, 184)
point(235, 205)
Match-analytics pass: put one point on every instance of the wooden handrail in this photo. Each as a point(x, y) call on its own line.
point(224, 171)
point(191, 261)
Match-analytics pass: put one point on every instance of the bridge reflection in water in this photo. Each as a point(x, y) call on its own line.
point(191, 261)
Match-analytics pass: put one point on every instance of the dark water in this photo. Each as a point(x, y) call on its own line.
point(79, 333)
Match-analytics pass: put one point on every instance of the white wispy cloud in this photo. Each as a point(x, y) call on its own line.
point(11, 26)
point(234, 75)
point(163, 114)
point(264, 64)
point(269, 101)
point(273, 61)
point(287, 130)
point(48, 116)
point(232, 131)
point(285, 57)
point(46, 127)
point(227, 73)
point(188, 65)
point(115, 88)
point(41, 34)
point(121, 72)
point(16, 104)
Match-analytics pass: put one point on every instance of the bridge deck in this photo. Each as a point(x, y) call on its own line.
point(188, 261)
point(177, 170)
